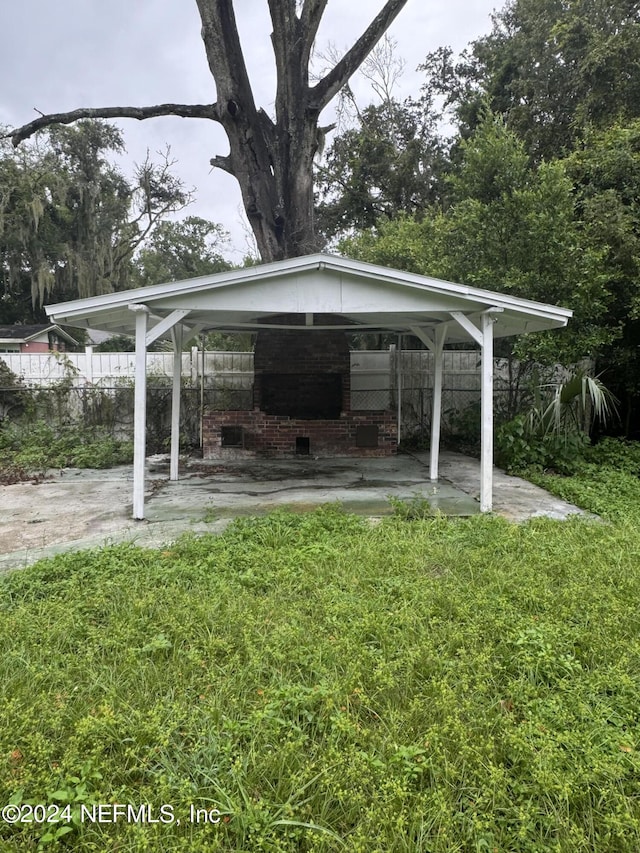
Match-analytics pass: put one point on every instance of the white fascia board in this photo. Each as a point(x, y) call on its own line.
point(36, 335)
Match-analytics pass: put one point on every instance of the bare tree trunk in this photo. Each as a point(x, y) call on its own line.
point(271, 159)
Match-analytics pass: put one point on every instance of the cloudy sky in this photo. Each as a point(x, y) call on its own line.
point(79, 53)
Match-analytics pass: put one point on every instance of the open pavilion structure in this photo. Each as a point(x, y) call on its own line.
point(298, 294)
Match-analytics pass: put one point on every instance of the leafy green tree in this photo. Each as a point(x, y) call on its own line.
point(392, 162)
point(564, 76)
point(20, 207)
point(606, 171)
point(509, 228)
point(180, 250)
point(551, 68)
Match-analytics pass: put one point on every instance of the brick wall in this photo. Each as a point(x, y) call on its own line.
point(301, 401)
point(278, 436)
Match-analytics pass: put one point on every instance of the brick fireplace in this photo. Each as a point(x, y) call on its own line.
point(301, 401)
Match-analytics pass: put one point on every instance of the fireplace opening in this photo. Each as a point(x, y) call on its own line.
point(307, 396)
point(302, 445)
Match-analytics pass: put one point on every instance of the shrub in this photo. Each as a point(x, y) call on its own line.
point(34, 448)
point(518, 448)
point(13, 398)
point(553, 432)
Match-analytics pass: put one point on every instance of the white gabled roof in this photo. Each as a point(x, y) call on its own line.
point(367, 296)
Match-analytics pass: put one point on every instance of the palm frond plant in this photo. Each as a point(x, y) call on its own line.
point(574, 405)
point(554, 431)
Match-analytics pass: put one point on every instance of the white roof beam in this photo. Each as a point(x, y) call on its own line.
point(426, 339)
point(421, 335)
point(470, 327)
point(189, 333)
point(164, 325)
point(257, 327)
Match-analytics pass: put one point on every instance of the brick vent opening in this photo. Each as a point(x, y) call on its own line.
point(232, 436)
point(367, 436)
point(303, 447)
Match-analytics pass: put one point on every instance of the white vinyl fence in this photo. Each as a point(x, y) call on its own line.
point(372, 371)
point(377, 379)
point(105, 368)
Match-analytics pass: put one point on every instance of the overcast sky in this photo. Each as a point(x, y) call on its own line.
point(57, 56)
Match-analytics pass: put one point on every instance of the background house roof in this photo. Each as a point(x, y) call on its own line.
point(24, 334)
point(365, 296)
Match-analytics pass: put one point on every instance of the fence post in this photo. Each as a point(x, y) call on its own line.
point(88, 354)
point(194, 365)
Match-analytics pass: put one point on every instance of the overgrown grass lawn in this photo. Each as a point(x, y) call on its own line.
point(428, 685)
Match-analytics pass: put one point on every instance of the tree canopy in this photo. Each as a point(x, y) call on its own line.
point(551, 68)
point(70, 221)
point(392, 162)
point(508, 228)
point(541, 183)
point(180, 250)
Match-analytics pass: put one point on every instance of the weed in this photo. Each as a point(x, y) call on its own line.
point(35, 448)
point(415, 507)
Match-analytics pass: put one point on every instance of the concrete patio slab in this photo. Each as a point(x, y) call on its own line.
point(76, 509)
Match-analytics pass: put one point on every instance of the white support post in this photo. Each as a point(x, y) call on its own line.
point(176, 334)
point(486, 415)
point(202, 397)
point(399, 385)
point(436, 411)
point(436, 345)
point(140, 411)
point(484, 337)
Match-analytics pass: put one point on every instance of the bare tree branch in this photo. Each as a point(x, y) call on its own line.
point(249, 131)
point(272, 159)
point(152, 207)
point(208, 111)
point(382, 68)
point(310, 18)
point(223, 163)
point(330, 85)
point(286, 34)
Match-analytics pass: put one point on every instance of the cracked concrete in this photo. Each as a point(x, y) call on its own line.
point(88, 508)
